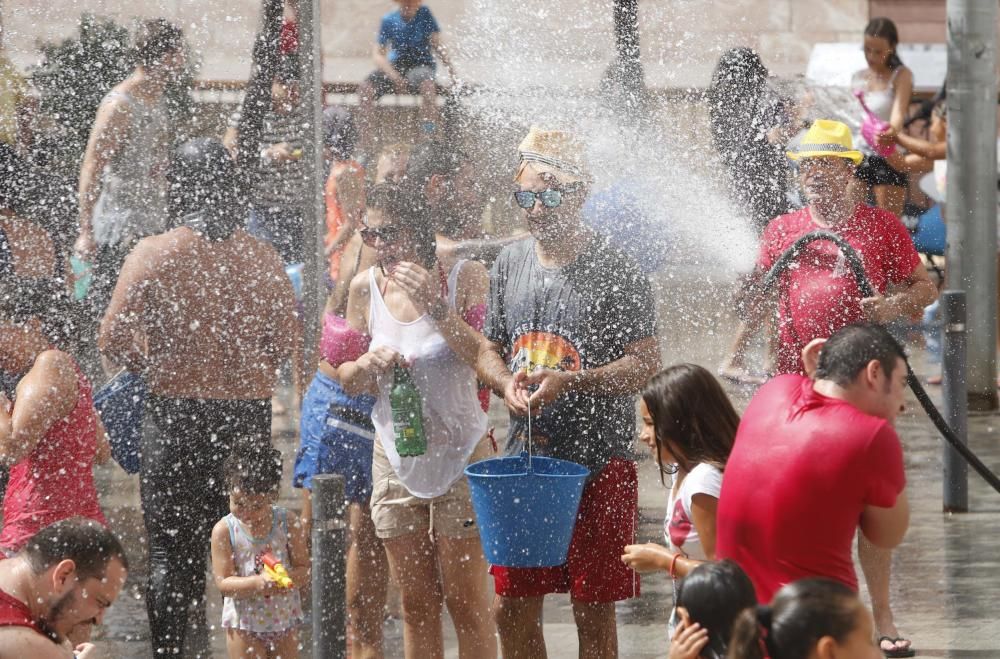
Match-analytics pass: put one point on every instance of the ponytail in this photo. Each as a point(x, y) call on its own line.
point(751, 634)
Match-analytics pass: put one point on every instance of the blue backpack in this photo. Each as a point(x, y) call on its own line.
point(122, 405)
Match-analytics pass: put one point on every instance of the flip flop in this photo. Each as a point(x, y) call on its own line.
point(895, 652)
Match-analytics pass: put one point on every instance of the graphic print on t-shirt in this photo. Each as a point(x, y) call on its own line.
point(543, 349)
point(679, 527)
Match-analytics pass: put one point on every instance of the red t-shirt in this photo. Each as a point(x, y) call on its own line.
point(820, 295)
point(56, 480)
point(801, 472)
point(15, 613)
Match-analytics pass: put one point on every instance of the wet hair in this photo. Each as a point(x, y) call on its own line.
point(714, 595)
point(427, 160)
point(399, 208)
point(339, 132)
point(254, 468)
point(154, 39)
point(801, 614)
point(689, 408)
point(738, 82)
point(202, 181)
point(850, 349)
point(46, 299)
point(883, 28)
point(86, 542)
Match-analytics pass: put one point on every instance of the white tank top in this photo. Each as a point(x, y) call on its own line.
point(454, 422)
point(879, 101)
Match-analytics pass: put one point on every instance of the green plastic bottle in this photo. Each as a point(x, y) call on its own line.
point(407, 414)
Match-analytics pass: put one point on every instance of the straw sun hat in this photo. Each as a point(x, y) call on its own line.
point(553, 152)
point(826, 138)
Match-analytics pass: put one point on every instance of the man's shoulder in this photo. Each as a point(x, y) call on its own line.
point(19, 641)
point(793, 220)
point(875, 218)
point(613, 264)
point(514, 253)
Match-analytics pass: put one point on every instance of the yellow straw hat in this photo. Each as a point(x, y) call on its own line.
point(553, 152)
point(826, 138)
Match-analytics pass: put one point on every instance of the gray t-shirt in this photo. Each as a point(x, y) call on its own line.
point(580, 316)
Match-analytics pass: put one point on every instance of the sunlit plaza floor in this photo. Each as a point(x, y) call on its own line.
point(946, 575)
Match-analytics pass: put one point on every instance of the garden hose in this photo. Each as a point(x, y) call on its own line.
point(854, 262)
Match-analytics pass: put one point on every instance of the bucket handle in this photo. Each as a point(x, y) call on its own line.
point(529, 435)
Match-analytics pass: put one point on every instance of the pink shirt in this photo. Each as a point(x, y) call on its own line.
point(56, 480)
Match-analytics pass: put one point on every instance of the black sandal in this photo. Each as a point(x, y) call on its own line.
point(896, 652)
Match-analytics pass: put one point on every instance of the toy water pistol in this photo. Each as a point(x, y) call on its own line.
point(275, 569)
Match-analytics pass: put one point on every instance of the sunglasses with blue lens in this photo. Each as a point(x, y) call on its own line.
point(550, 198)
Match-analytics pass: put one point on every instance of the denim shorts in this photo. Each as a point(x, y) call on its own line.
point(336, 437)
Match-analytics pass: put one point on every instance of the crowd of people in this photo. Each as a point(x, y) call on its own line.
point(191, 246)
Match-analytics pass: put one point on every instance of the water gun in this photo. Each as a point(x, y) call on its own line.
point(872, 126)
point(275, 570)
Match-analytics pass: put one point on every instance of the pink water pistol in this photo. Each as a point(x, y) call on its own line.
point(872, 126)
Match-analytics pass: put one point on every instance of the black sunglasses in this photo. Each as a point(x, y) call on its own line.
point(370, 235)
point(550, 198)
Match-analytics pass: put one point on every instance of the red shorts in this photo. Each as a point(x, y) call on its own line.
point(593, 571)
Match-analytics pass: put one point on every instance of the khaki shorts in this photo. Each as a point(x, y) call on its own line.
point(396, 512)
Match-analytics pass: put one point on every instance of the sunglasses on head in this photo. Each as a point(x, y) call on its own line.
point(370, 235)
point(550, 198)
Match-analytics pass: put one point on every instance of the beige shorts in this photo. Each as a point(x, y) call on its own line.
point(396, 512)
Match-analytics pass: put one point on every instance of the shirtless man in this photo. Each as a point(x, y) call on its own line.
point(207, 314)
point(122, 188)
point(65, 577)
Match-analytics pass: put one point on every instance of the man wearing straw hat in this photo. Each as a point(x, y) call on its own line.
point(571, 337)
point(821, 296)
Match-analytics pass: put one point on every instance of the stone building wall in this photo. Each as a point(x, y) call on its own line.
point(681, 39)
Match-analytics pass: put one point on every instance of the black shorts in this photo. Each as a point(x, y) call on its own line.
point(876, 170)
point(382, 84)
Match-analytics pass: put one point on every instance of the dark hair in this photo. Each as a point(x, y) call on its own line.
point(738, 82)
point(339, 132)
point(397, 204)
point(202, 182)
point(850, 349)
point(689, 407)
point(427, 160)
point(86, 542)
point(883, 28)
point(254, 468)
point(714, 595)
point(155, 38)
point(801, 614)
point(47, 300)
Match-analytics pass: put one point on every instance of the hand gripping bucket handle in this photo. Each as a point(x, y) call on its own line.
point(526, 507)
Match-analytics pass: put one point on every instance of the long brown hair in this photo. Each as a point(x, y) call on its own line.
point(690, 409)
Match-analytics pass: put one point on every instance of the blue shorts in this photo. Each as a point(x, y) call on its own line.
point(336, 437)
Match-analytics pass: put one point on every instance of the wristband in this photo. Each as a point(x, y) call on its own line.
point(673, 564)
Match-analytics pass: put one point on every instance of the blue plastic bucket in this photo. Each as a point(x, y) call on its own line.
point(526, 519)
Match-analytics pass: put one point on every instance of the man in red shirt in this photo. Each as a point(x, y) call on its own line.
point(820, 295)
point(815, 460)
point(65, 578)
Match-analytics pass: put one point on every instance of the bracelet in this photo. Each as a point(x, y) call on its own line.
point(673, 564)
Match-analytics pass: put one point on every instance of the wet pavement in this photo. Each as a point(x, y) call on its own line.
point(946, 575)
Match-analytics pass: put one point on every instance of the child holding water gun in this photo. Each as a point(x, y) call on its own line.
point(259, 560)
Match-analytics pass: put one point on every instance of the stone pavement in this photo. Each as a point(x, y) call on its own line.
point(946, 577)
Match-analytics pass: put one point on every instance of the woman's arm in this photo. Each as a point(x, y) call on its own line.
point(224, 570)
point(361, 375)
point(298, 548)
point(901, 102)
point(103, 449)
point(44, 396)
